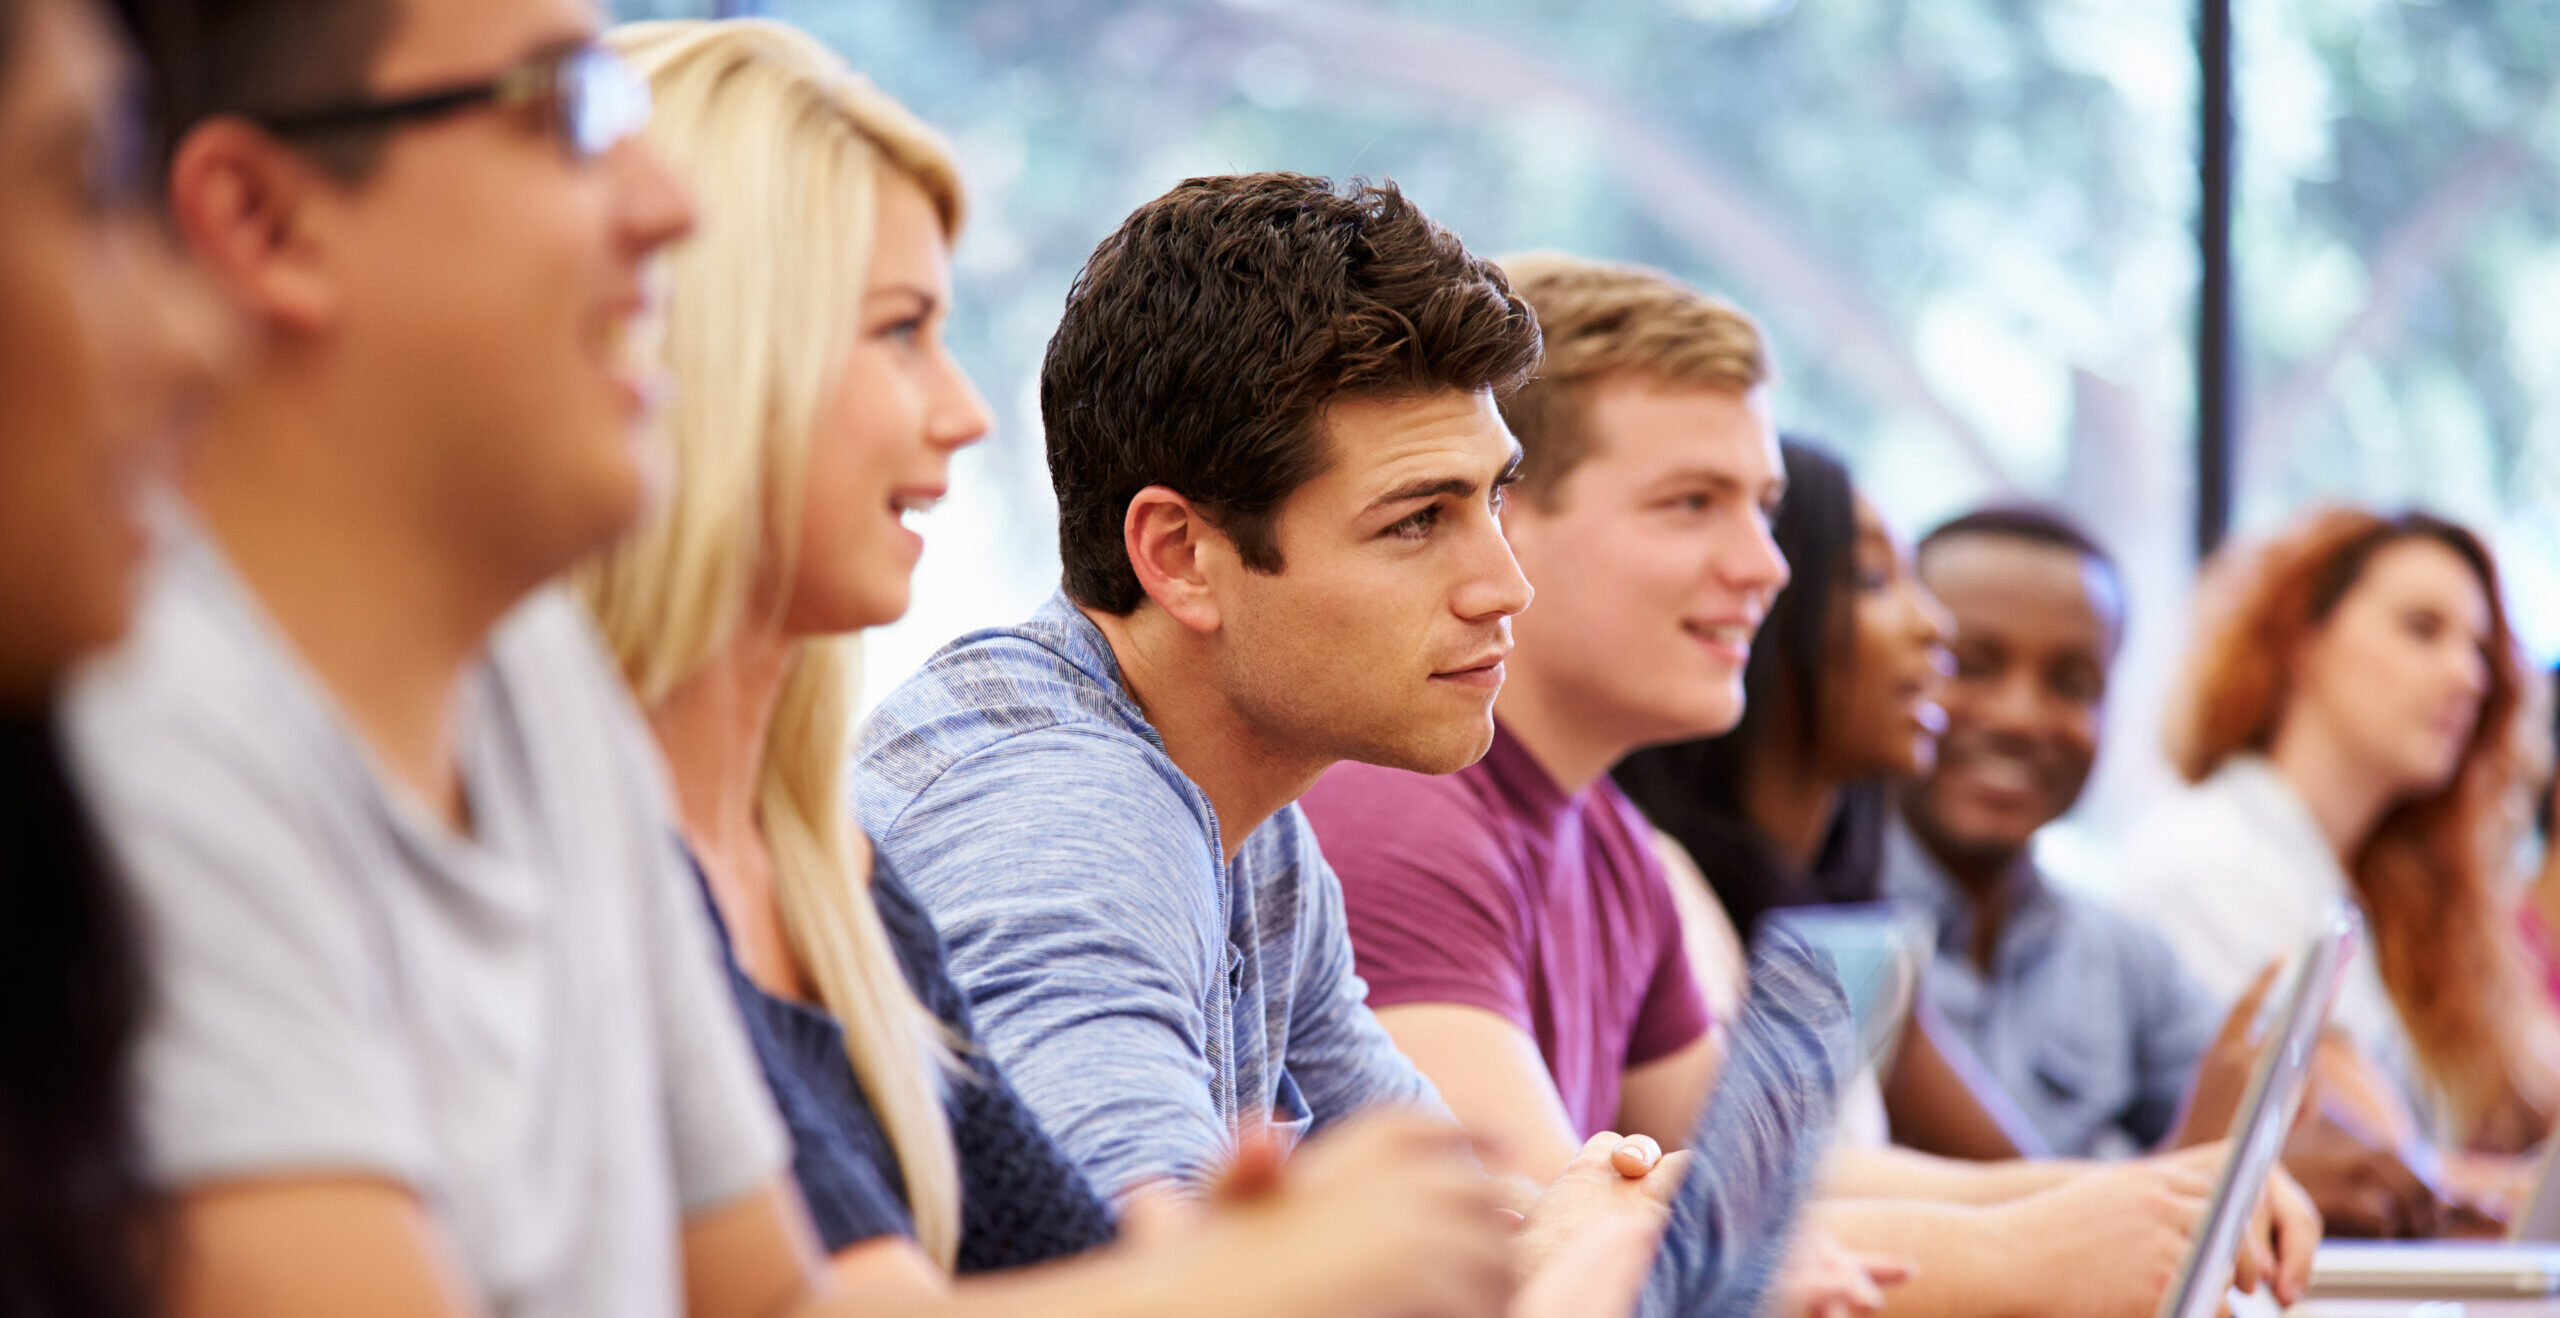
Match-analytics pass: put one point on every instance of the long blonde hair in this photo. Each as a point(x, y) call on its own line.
point(787, 148)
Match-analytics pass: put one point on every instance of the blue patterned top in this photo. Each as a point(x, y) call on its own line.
point(1021, 1201)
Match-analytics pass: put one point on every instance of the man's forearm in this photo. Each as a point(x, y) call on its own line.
point(1760, 1143)
point(1897, 1173)
point(1970, 1267)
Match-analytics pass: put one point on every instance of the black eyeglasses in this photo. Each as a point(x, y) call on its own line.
point(587, 96)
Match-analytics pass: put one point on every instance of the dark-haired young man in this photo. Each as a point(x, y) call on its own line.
point(1272, 425)
point(2026, 973)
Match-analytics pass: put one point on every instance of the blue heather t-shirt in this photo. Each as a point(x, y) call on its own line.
point(1021, 1201)
point(1147, 999)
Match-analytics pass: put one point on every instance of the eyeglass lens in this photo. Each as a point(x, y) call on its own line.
point(602, 101)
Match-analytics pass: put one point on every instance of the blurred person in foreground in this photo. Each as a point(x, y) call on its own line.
point(2081, 1011)
point(105, 341)
point(1272, 423)
point(2348, 727)
point(437, 1024)
point(816, 408)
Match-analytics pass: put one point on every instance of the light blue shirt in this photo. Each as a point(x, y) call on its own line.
point(1148, 1000)
point(2085, 1016)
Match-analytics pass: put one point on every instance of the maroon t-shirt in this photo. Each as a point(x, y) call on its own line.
point(1492, 888)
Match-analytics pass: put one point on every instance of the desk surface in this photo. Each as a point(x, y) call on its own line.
point(2549, 1308)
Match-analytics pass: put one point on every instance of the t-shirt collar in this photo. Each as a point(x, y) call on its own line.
point(1517, 772)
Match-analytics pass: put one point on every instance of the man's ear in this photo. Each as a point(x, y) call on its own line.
point(1177, 553)
point(243, 203)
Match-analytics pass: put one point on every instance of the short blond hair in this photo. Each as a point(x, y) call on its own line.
point(1604, 319)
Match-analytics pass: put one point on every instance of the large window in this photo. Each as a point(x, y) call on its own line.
point(2399, 249)
point(1969, 224)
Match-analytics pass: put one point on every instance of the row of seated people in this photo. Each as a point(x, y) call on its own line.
point(2350, 726)
point(418, 968)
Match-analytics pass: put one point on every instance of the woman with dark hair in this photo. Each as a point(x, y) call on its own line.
point(2349, 725)
point(1775, 813)
point(95, 348)
point(1789, 809)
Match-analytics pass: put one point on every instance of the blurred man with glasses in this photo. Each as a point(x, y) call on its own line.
point(438, 1029)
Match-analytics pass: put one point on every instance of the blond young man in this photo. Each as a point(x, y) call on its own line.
point(1511, 920)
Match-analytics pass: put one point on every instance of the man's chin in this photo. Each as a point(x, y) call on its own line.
point(1977, 841)
point(1439, 751)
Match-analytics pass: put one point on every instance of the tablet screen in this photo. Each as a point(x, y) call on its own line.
point(2266, 1115)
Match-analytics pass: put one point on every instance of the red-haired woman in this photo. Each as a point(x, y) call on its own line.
point(2349, 723)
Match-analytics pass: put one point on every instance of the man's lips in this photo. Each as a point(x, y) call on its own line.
point(2003, 781)
point(1729, 637)
point(1485, 672)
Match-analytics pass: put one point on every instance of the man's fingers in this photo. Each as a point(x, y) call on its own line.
point(1255, 1170)
point(1664, 1184)
point(1887, 1270)
point(2298, 1232)
point(2249, 1267)
point(1636, 1156)
point(2409, 1203)
point(2244, 1013)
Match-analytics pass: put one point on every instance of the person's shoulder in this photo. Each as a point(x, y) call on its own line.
point(553, 694)
point(1370, 799)
point(906, 920)
point(986, 688)
point(1392, 836)
point(1358, 810)
point(1065, 816)
point(2100, 922)
point(201, 682)
point(2191, 840)
point(552, 660)
point(917, 942)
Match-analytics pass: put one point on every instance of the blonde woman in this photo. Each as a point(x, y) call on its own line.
point(816, 405)
point(802, 400)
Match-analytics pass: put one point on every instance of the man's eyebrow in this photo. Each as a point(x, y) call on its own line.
point(1428, 487)
point(1720, 479)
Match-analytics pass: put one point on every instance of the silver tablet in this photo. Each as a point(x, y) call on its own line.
point(2266, 1115)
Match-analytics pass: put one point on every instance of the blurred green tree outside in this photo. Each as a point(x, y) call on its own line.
point(1967, 224)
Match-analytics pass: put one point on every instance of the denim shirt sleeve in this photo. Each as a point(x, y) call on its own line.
point(1760, 1141)
point(1340, 1056)
point(1086, 961)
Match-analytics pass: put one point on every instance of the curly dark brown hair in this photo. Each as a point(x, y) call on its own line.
point(1205, 338)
